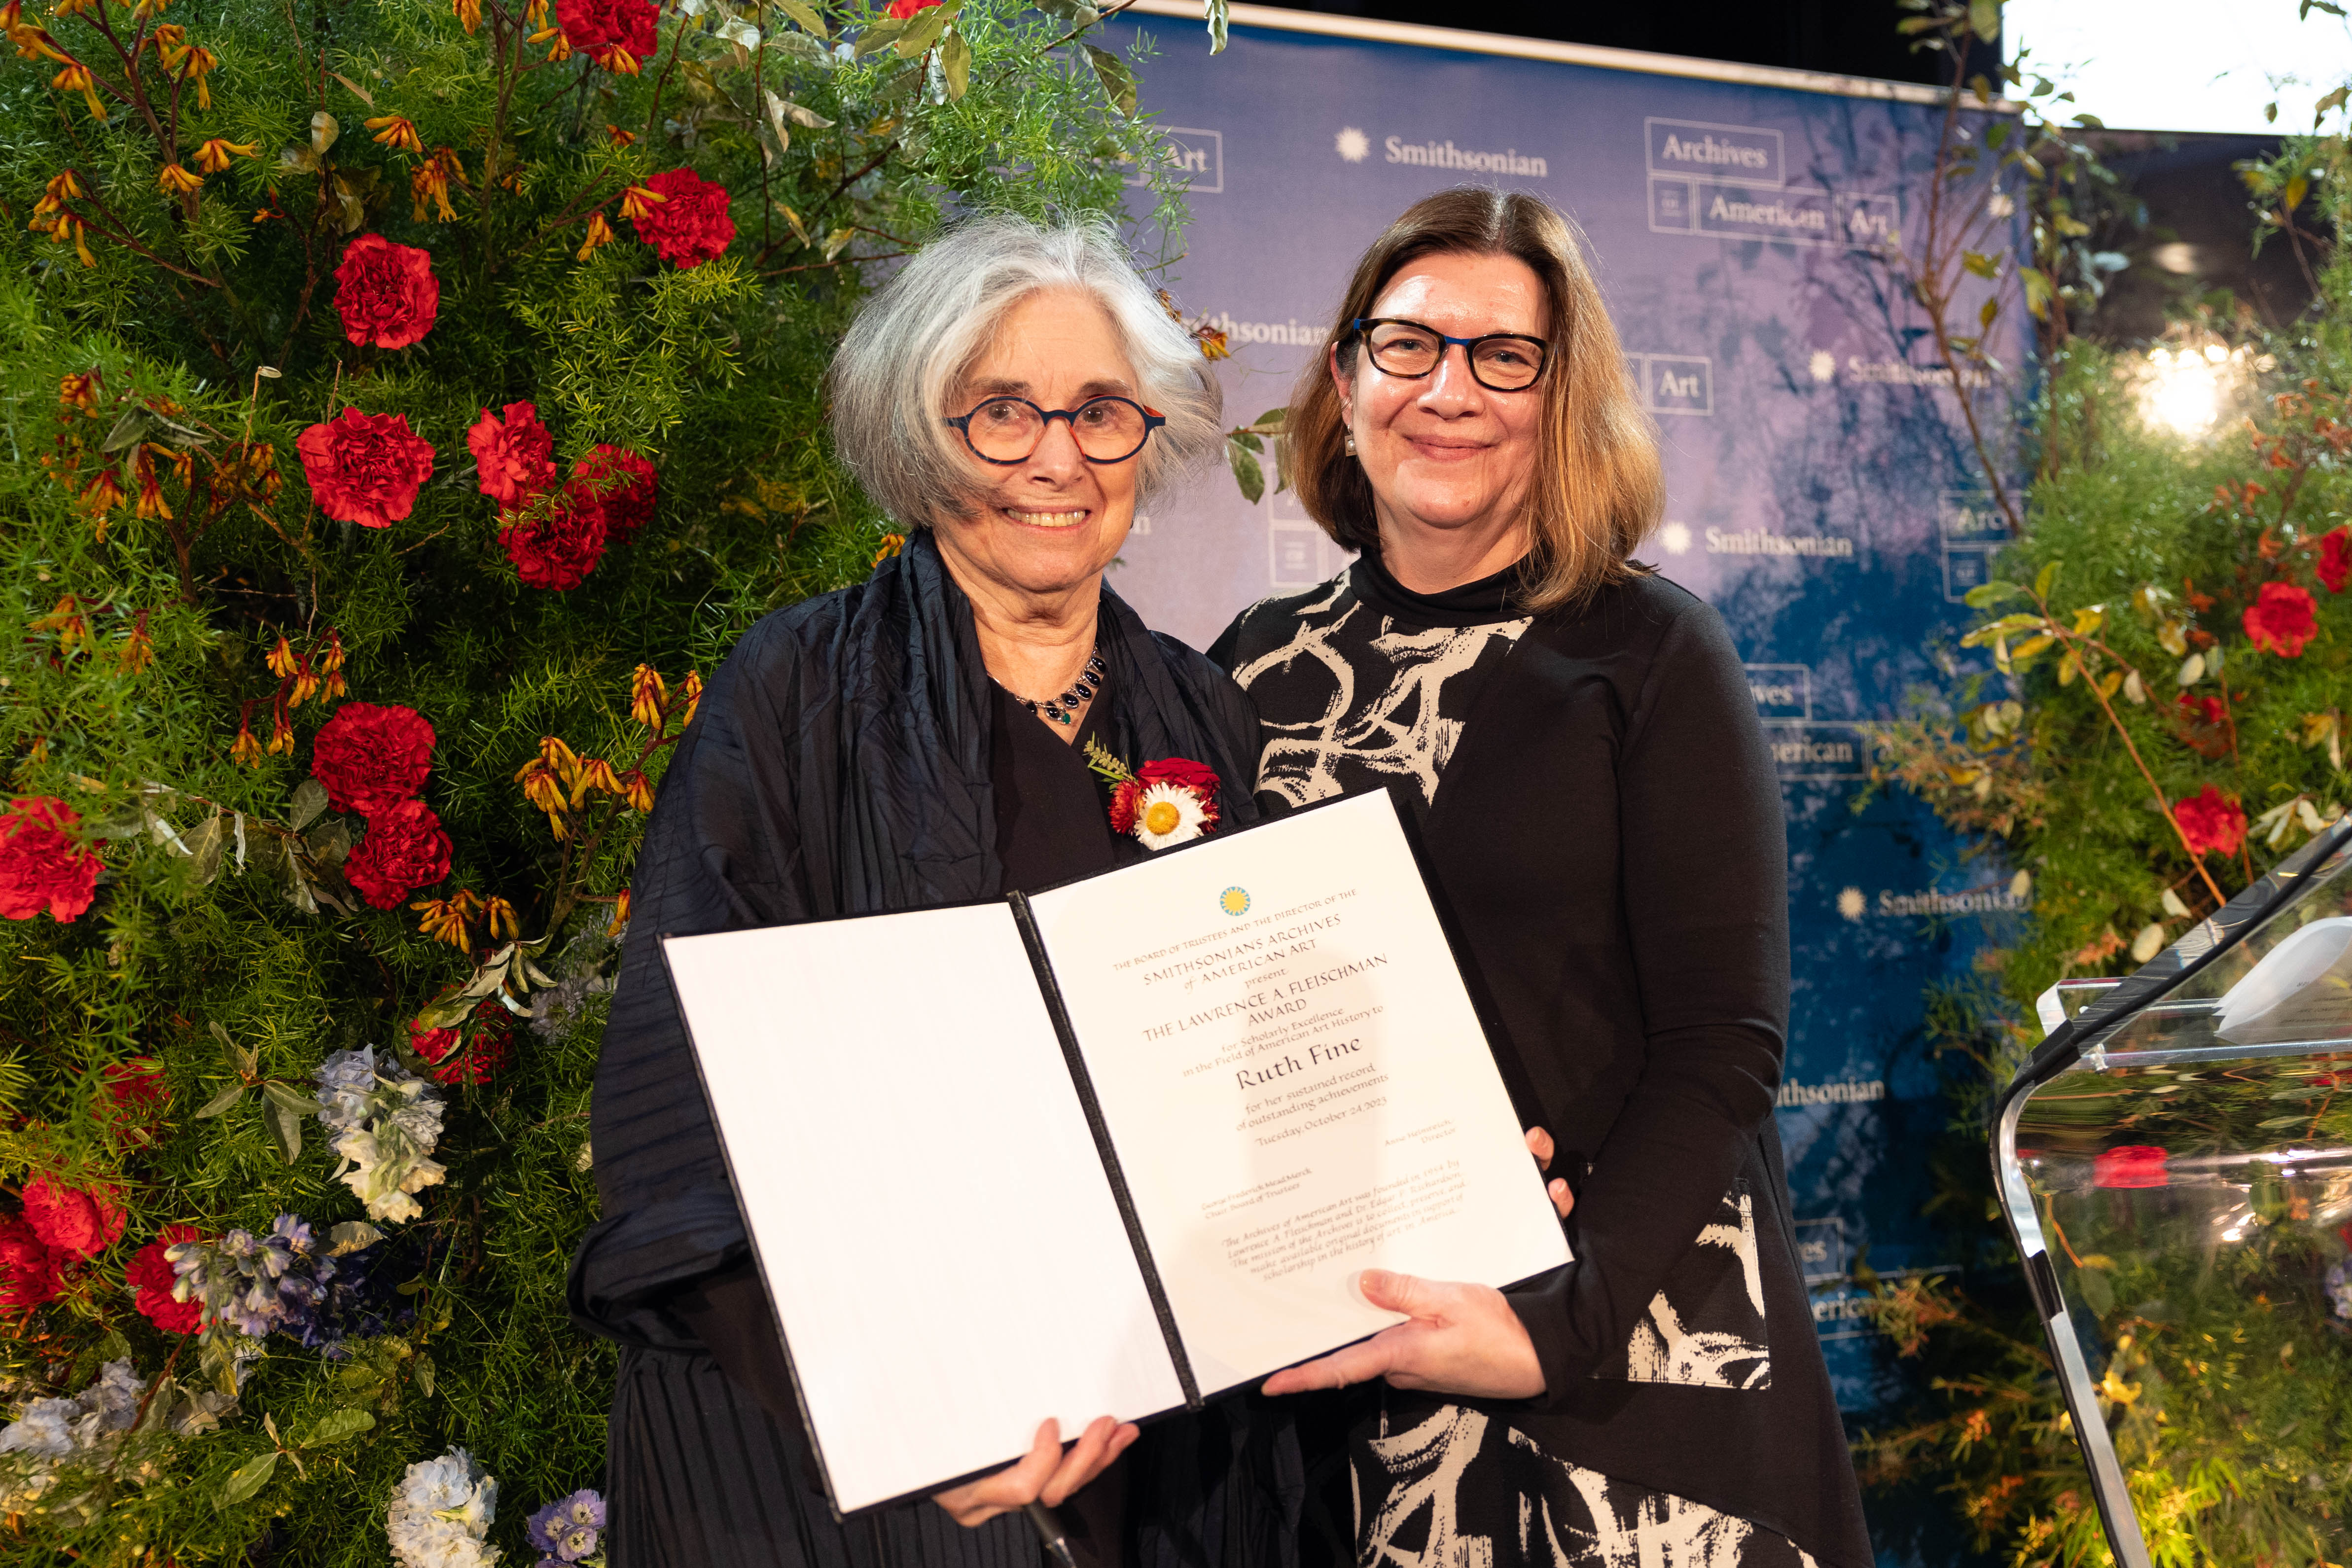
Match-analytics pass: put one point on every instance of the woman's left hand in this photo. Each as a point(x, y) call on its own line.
point(1463, 1339)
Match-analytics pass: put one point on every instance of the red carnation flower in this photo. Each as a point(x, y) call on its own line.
point(618, 35)
point(385, 293)
point(135, 1098)
point(365, 468)
point(404, 849)
point(902, 9)
point(29, 1269)
point(622, 483)
point(150, 1275)
point(482, 1057)
point(557, 546)
point(1185, 774)
point(370, 757)
point(71, 1221)
point(514, 455)
point(2281, 620)
point(41, 867)
point(2336, 558)
point(2132, 1165)
point(2211, 820)
point(691, 226)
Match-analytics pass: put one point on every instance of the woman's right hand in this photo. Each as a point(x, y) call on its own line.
point(1539, 1144)
point(1047, 1474)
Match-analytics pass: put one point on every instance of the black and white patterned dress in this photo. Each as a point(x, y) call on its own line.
point(1511, 736)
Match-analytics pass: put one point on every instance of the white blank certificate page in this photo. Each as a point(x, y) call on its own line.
point(924, 1195)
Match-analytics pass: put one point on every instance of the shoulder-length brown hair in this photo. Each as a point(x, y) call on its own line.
point(1597, 489)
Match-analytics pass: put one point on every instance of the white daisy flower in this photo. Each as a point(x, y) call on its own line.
point(1168, 813)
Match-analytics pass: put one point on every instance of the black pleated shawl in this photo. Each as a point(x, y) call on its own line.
point(839, 765)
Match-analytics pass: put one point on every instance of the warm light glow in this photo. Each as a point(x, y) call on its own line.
point(2184, 390)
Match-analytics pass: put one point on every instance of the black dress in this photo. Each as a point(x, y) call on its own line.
point(843, 761)
point(1605, 829)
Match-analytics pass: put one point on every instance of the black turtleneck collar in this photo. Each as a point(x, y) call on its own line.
point(1499, 598)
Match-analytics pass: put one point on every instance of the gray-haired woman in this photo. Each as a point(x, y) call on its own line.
point(1009, 398)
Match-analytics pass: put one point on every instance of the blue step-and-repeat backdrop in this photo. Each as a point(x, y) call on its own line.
point(1822, 490)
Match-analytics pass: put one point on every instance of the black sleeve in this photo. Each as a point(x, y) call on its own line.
point(1705, 900)
point(720, 853)
point(1225, 652)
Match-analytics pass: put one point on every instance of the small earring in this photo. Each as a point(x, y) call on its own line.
point(1351, 443)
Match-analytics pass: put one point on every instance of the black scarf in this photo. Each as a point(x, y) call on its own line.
point(838, 766)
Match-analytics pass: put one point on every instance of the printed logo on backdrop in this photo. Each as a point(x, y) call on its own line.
point(1802, 748)
point(1746, 152)
point(1678, 539)
point(1290, 333)
point(1783, 692)
point(1674, 384)
point(2012, 897)
point(1729, 182)
point(1300, 554)
point(1973, 530)
point(1201, 154)
point(1824, 367)
point(1354, 146)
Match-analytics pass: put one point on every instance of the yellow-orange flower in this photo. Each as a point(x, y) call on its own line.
point(636, 791)
point(691, 689)
point(636, 201)
point(102, 495)
point(169, 40)
point(620, 914)
point(594, 774)
point(214, 155)
point(561, 759)
point(621, 139)
point(138, 648)
point(32, 43)
point(199, 64)
point(599, 233)
point(430, 184)
point(281, 734)
point(469, 15)
point(305, 686)
point(648, 697)
point(151, 490)
point(175, 181)
point(66, 621)
point(245, 751)
point(499, 917)
point(79, 391)
point(891, 544)
point(280, 659)
point(559, 47)
point(396, 132)
point(444, 919)
point(75, 78)
point(62, 188)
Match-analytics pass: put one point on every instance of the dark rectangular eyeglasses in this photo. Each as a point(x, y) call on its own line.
point(1499, 361)
point(1007, 430)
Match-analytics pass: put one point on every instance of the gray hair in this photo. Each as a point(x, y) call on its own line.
point(922, 332)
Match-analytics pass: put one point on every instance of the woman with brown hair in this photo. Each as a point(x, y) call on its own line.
point(1601, 817)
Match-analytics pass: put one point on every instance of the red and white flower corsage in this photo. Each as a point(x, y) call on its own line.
point(1171, 801)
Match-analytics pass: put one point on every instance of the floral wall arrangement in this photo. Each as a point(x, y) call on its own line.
point(409, 402)
point(2147, 715)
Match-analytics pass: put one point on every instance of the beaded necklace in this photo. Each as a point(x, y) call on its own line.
point(1062, 709)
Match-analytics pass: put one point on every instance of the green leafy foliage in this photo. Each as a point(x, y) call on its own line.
point(184, 617)
point(2147, 715)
